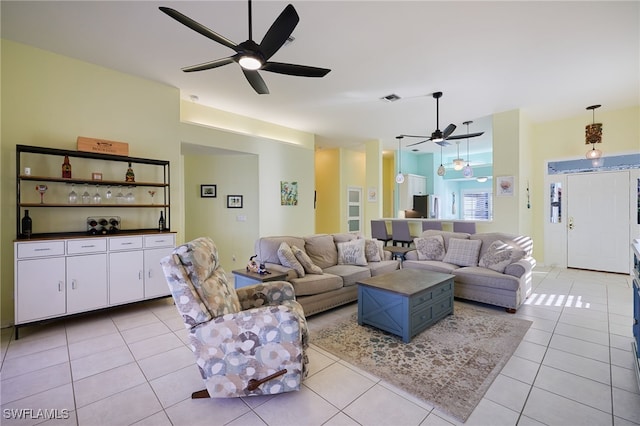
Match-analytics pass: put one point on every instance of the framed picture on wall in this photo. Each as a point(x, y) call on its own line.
point(505, 186)
point(208, 191)
point(234, 201)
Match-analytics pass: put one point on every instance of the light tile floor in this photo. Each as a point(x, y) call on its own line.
point(131, 366)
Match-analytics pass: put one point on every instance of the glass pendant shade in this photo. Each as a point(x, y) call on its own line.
point(467, 171)
point(593, 153)
point(441, 170)
point(399, 178)
point(458, 164)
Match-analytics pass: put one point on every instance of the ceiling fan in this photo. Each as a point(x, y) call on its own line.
point(439, 136)
point(252, 56)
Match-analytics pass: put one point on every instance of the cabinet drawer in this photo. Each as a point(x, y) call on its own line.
point(430, 313)
point(441, 290)
point(40, 249)
point(125, 243)
point(97, 245)
point(161, 240)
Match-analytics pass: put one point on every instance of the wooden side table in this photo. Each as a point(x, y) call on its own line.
point(244, 278)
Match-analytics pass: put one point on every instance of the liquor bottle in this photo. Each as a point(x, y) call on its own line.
point(130, 176)
point(26, 225)
point(161, 223)
point(66, 168)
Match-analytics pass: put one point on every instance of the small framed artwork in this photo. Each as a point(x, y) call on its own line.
point(208, 191)
point(96, 176)
point(234, 201)
point(505, 186)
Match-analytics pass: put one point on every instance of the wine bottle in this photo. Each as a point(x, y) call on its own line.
point(66, 168)
point(130, 176)
point(161, 223)
point(26, 225)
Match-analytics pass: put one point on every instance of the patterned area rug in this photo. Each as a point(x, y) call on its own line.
point(450, 365)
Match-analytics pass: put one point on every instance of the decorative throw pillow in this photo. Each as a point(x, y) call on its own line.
point(499, 255)
point(430, 248)
point(288, 259)
point(352, 253)
point(463, 252)
point(371, 251)
point(305, 261)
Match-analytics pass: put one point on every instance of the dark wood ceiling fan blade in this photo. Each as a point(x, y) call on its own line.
point(279, 32)
point(416, 136)
point(418, 143)
point(209, 65)
point(450, 129)
point(199, 28)
point(256, 81)
point(469, 135)
point(293, 69)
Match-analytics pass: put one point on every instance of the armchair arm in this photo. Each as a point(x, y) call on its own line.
point(235, 348)
point(411, 255)
point(269, 293)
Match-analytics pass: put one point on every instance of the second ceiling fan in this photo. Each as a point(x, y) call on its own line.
point(252, 56)
point(439, 136)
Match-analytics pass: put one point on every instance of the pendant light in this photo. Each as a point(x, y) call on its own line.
point(467, 171)
point(441, 170)
point(593, 135)
point(458, 163)
point(399, 176)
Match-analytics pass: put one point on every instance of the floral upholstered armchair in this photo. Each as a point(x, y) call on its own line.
point(247, 342)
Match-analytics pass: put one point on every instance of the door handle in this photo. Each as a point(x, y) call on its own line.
point(571, 223)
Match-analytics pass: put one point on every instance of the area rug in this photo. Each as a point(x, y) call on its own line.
point(450, 365)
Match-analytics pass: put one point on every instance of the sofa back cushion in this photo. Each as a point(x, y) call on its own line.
point(446, 236)
point(352, 253)
point(499, 255)
point(430, 248)
point(288, 259)
point(521, 242)
point(321, 249)
point(267, 247)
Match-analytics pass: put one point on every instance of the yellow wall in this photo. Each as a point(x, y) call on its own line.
point(372, 209)
point(327, 170)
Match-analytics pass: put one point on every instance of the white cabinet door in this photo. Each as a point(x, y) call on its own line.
point(86, 282)
point(126, 277)
point(40, 289)
point(155, 284)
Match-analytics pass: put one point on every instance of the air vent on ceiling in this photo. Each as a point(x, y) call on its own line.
point(390, 98)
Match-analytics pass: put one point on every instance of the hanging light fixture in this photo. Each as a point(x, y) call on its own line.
point(441, 170)
point(467, 171)
point(399, 176)
point(458, 163)
point(593, 135)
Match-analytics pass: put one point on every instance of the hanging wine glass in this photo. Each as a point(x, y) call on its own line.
point(41, 189)
point(130, 197)
point(152, 192)
point(97, 198)
point(108, 194)
point(86, 197)
point(73, 196)
point(119, 196)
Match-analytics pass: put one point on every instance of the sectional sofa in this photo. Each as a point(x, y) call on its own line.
point(324, 268)
point(493, 268)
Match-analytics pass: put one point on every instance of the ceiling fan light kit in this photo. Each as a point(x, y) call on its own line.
point(252, 56)
point(593, 135)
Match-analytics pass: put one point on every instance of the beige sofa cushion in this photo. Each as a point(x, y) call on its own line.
point(305, 261)
point(446, 235)
point(350, 274)
point(322, 250)
point(373, 250)
point(430, 248)
point(267, 247)
point(288, 259)
point(315, 284)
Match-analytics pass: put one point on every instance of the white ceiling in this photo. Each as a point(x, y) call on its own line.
point(550, 59)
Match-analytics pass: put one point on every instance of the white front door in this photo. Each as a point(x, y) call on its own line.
point(598, 221)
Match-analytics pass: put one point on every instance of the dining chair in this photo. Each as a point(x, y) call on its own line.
point(430, 224)
point(468, 227)
point(379, 231)
point(400, 232)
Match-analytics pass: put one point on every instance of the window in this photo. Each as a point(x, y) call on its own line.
point(476, 205)
point(354, 216)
